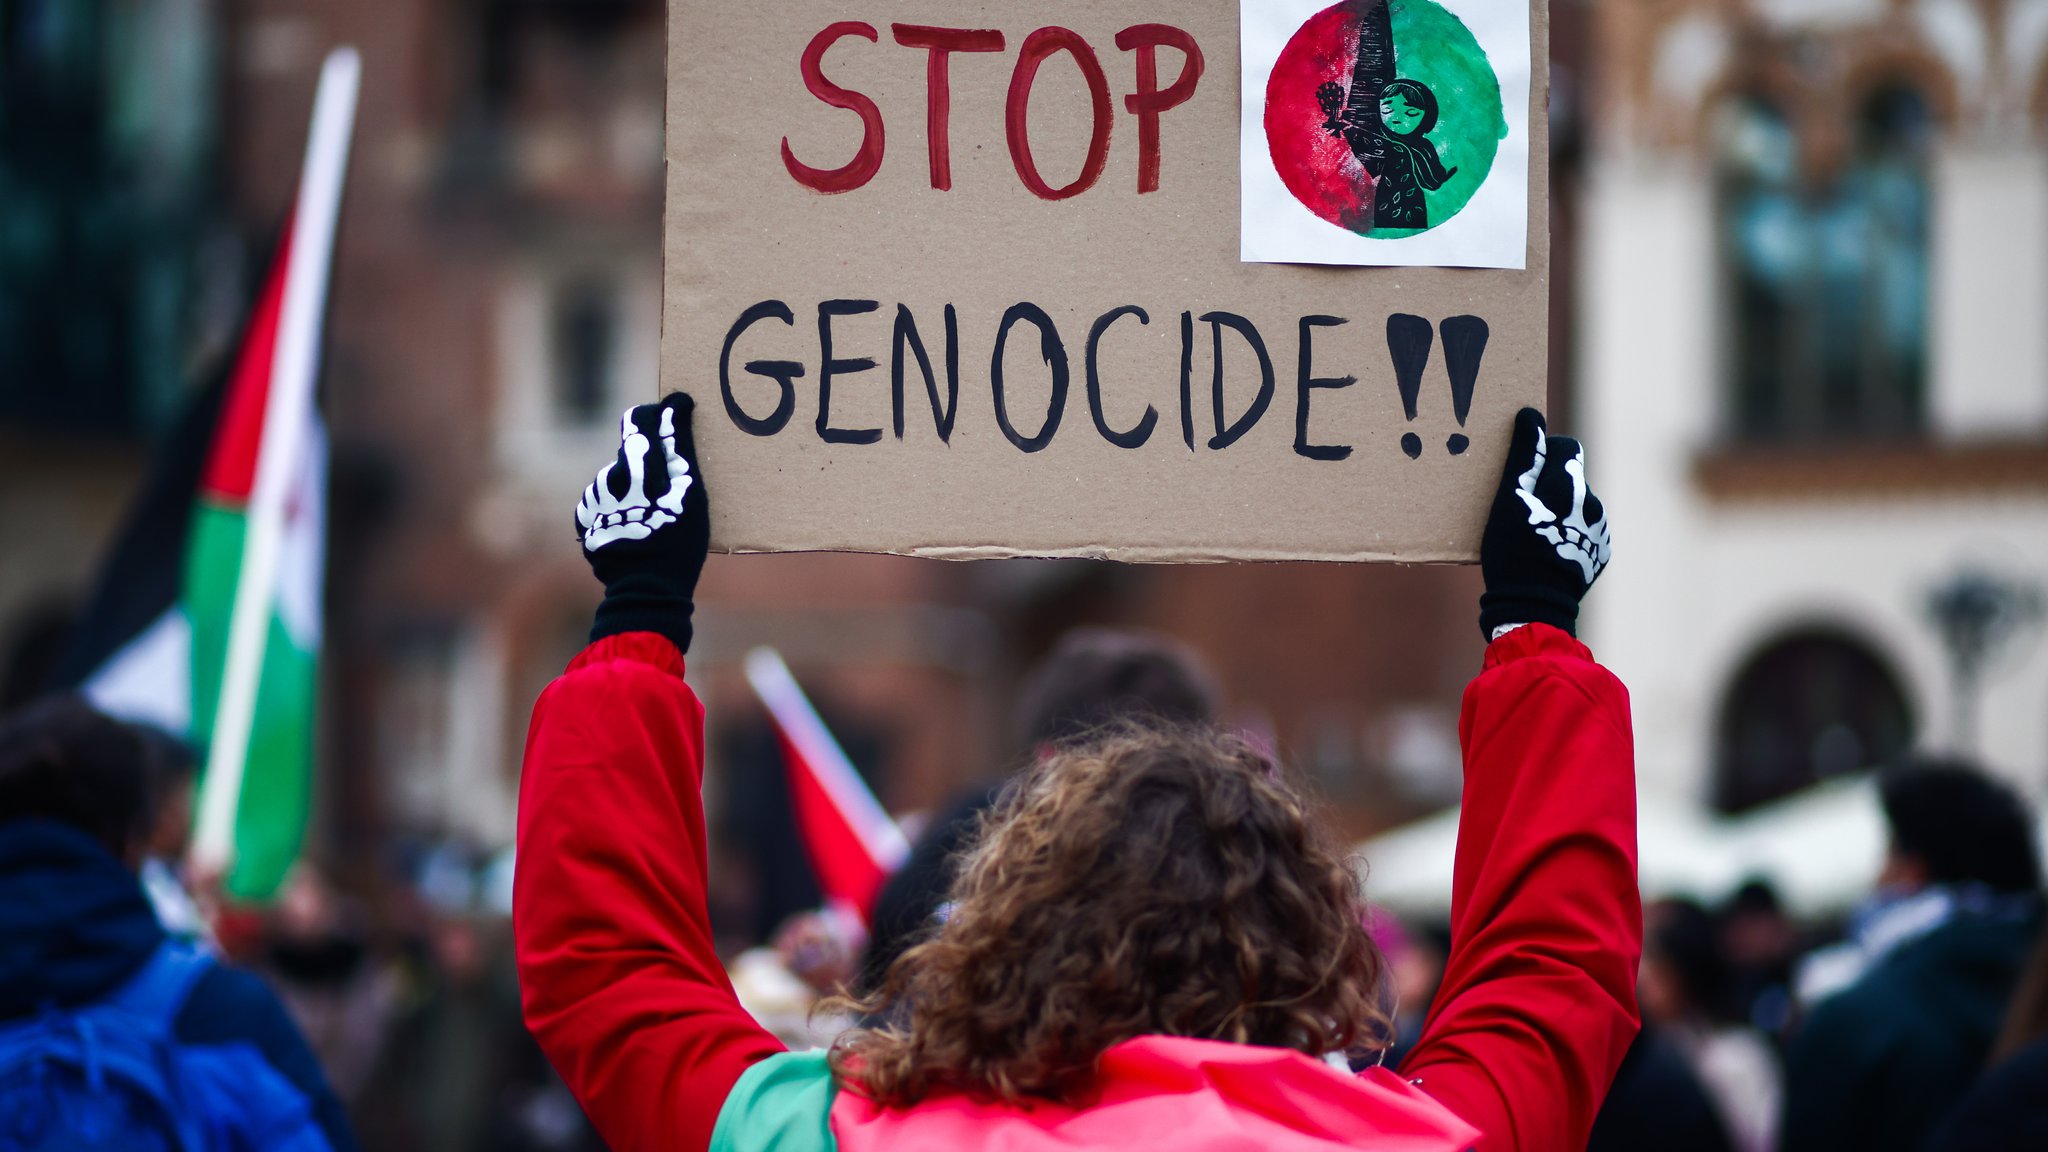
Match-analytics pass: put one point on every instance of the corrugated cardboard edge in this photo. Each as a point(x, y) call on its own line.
point(1127, 555)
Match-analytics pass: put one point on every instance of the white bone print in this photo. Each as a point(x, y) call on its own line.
point(605, 518)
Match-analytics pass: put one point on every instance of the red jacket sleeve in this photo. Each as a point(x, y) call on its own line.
point(617, 973)
point(1538, 1002)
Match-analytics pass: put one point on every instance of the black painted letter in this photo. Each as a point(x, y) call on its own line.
point(828, 368)
point(783, 372)
point(1225, 437)
point(1304, 381)
point(1187, 375)
point(1055, 355)
point(906, 335)
point(1137, 436)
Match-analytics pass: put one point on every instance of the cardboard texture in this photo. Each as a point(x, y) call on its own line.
point(762, 271)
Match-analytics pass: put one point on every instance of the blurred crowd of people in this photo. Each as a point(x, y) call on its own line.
point(395, 1014)
point(412, 1003)
point(1760, 1033)
point(1918, 1022)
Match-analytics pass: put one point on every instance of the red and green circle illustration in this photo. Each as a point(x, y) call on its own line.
point(1383, 116)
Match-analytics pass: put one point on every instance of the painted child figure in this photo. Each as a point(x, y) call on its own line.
point(1391, 140)
point(1153, 946)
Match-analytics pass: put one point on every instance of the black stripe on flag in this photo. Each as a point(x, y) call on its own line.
point(142, 576)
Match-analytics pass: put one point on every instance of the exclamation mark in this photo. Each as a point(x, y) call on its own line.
point(1408, 342)
point(1464, 347)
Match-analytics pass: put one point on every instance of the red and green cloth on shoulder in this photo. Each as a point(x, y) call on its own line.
point(625, 993)
point(1197, 1095)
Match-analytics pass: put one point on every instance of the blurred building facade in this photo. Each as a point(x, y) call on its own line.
point(119, 275)
point(1801, 273)
point(1813, 328)
point(495, 304)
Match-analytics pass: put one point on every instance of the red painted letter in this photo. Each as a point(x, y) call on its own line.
point(1037, 47)
point(868, 160)
point(941, 43)
point(1150, 99)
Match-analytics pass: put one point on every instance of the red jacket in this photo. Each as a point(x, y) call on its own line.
point(625, 993)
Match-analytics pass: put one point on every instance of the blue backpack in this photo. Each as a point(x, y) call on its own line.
point(113, 1075)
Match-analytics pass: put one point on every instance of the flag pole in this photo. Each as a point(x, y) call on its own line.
point(293, 370)
point(793, 713)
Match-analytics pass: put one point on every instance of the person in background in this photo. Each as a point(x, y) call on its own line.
point(1684, 985)
point(1659, 1100)
point(1094, 678)
point(1759, 942)
point(173, 772)
point(1415, 968)
point(1152, 946)
point(1878, 1065)
point(2009, 1106)
point(1657, 1103)
point(84, 952)
point(317, 946)
point(822, 948)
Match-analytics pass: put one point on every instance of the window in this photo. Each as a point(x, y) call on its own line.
point(108, 163)
point(538, 65)
point(1826, 272)
point(585, 335)
point(413, 722)
point(1810, 706)
point(578, 338)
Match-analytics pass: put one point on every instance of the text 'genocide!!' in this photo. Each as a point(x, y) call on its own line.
point(1409, 340)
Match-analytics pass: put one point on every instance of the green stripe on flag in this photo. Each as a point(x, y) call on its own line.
point(270, 823)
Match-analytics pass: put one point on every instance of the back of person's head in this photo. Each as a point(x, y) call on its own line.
point(1100, 676)
point(171, 770)
point(169, 761)
point(1682, 938)
point(1153, 881)
point(62, 759)
point(1961, 826)
point(1755, 897)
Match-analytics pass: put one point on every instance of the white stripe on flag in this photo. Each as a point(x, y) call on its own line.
point(792, 712)
point(149, 679)
point(302, 554)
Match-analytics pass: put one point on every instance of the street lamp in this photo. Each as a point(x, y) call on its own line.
point(1980, 616)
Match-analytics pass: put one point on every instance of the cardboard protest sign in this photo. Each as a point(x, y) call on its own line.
point(965, 280)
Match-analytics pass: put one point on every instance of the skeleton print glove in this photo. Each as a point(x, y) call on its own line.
point(1546, 540)
point(645, 526)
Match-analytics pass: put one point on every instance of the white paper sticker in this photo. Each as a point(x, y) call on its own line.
point(1385, 132)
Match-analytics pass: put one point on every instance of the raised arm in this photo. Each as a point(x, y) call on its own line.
point(618, 977)
point(1538, 1000)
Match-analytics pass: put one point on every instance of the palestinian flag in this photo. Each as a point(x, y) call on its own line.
point(156, 633)
point(206, 620)
point(852, 844)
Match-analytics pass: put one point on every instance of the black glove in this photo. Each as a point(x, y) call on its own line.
point(645, 525)
point(1546, 540)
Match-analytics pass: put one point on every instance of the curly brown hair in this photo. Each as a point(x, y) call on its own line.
point(1153, 881)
